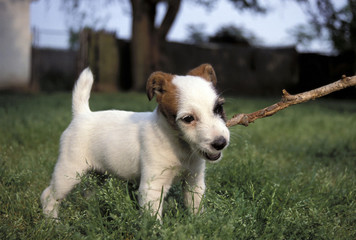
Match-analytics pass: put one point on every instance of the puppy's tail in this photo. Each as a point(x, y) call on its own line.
point(81, 93)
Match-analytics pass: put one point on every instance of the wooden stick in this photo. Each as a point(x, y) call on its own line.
point(288, 100)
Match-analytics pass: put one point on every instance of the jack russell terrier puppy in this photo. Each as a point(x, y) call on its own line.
point(155, 148)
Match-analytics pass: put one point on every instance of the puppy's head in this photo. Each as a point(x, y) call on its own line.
point(193, 107)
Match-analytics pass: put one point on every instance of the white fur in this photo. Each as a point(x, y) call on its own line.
point(141, 146)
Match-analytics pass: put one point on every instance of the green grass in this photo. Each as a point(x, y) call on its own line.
point(290, 176)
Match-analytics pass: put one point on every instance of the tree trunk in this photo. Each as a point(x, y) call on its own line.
point(146, 38)
point(143, 13)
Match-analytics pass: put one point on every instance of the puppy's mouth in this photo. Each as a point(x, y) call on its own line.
point(211, 156)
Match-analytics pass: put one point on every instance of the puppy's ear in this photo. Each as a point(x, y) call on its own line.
point(157, 84)
point(205, 71)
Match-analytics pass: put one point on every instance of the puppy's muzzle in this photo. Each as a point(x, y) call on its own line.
point(219, 143)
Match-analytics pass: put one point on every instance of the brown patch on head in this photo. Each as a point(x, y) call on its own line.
point(205, 71)
point(160, 84)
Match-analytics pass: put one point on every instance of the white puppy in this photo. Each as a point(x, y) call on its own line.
point(155, 148)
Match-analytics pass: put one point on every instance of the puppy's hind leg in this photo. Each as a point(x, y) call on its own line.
point(65, 177)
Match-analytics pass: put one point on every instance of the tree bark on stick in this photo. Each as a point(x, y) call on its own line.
point(288, 100)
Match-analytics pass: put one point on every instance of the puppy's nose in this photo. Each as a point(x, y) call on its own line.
point(219, 143)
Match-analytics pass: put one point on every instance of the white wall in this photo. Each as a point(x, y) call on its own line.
point(15, 43)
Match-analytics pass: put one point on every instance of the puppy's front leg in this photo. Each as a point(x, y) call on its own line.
point(194, 190)
point(153, 189)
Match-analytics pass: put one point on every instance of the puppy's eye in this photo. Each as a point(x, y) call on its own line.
point(188, 119)
point(218, 109)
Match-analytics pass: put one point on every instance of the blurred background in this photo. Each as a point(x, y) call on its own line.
point(257, 48)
